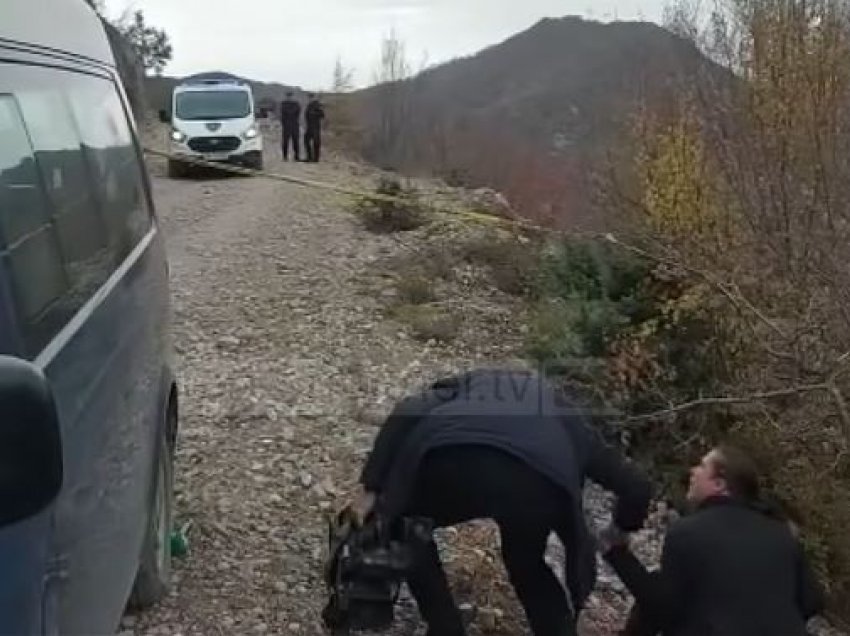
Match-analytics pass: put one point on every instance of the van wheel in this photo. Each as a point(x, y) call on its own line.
point(254, 161)
point(154, 574)
point(176, 169)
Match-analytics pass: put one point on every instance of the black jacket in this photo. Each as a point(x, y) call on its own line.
point(726, 570)
point(314, 114)
point(290, 113)
point(522, 414)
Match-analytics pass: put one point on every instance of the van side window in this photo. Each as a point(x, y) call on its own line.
point(108, 146)
point(72, 198)
point(78, 221)
point(28, 242)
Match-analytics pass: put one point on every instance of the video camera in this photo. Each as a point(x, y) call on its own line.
point(365, 570)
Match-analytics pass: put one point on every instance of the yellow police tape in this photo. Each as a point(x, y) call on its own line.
point(371, 196)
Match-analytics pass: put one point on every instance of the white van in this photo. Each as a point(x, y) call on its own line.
point(214, 120)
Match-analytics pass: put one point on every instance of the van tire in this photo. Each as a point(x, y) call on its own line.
point(254, 160)
point(176, 169)
point(153, 578)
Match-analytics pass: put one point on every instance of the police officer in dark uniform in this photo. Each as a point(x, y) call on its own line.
point(290, 119)
point(313, 116)
point(504, 445)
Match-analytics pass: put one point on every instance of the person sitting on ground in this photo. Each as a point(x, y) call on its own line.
point(733, 567)
point(497, 444)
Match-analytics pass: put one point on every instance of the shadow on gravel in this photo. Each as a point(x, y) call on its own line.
point(209, 174)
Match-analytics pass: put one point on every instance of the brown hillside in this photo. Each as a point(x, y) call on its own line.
point(529, 116)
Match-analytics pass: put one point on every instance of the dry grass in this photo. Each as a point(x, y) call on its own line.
point(416, 287)
point(403, 214)
point(513, 263)
point(428, 322)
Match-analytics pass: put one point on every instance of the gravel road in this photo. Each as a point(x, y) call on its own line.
point(287, 362)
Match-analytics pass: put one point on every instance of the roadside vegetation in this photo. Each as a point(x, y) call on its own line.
point(717, 307)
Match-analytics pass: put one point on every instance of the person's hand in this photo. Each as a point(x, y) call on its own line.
point(612, 537)
point(361, 507)
point(794, 528)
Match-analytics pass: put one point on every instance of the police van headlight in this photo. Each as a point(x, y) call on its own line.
point(177, 136)
point(251, 133)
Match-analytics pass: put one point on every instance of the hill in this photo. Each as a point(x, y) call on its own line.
point(530, 114)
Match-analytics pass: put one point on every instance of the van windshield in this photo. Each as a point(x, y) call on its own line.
point(213, 105)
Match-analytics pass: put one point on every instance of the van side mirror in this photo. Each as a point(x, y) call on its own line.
point(262, 114)
point(163, 117)
point(30, 442)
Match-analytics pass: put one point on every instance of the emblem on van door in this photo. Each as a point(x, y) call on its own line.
point(212, 127)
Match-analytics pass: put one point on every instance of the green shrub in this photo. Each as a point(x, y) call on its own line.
point(594, 270)
point(552, 340)
point(590, 293)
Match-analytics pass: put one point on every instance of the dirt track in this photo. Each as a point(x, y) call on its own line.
point(284, 356)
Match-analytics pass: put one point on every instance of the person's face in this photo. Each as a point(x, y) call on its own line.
point(704, 481)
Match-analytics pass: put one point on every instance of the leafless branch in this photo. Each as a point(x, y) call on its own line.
point(730, 400)
point(843, 413)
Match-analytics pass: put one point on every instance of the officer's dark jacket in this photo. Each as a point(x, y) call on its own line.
point(314, 114)
point(290, 112)
point(520, 413)
point(728, 569)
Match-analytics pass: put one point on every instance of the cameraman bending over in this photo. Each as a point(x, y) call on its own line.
point(497, 444)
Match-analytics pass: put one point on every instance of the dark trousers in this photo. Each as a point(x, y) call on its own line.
point(291, 137)
point(639, 623)
point(458, 484)
point(313, 143)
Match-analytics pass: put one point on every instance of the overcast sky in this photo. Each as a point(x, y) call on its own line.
point(298, 41)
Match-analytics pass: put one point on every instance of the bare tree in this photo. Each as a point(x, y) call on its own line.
point(394, 65)
point(391, 102)
point(343, 79)
point(152, 45)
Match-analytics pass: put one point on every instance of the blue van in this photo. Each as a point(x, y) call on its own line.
point(88, 400)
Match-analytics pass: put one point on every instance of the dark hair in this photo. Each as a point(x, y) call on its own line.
point(742, 478)
point(740, 472)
